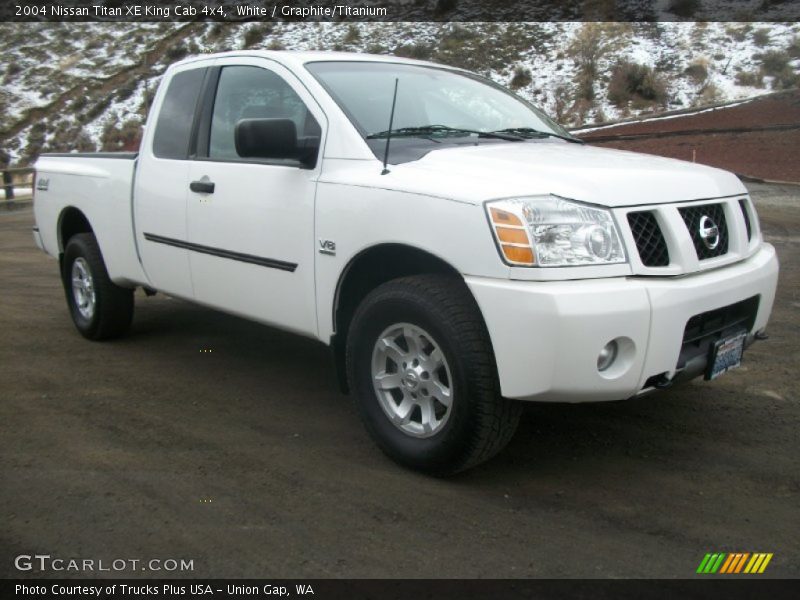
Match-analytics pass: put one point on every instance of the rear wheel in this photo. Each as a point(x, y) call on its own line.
point(421, 365)
point(99, 308)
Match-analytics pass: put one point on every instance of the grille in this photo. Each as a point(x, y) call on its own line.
point(649, 239)
point(701, 333)
point(692, 216)
point(703, 330)
point(712, 323)
point(746, 215)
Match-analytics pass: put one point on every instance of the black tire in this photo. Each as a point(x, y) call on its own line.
point(481, 421)
point(113, 308)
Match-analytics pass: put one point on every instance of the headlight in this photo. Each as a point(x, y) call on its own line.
point(548, 231)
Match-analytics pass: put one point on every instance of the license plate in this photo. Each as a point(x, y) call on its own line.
point(726, 355)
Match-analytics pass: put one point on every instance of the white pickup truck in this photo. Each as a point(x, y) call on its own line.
point(457, 249)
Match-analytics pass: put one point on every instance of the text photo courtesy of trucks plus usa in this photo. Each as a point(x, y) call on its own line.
point(424, 222)
point(368, 308)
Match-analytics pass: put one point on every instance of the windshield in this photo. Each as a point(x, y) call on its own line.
point(431, 102)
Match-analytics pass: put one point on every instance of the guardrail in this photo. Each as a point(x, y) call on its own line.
point(17, 185)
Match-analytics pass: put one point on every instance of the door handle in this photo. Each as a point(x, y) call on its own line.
point(202, 186)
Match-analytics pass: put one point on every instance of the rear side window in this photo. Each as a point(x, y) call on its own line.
point(174, 126)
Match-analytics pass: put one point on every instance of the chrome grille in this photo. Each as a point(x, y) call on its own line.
point(692, 217)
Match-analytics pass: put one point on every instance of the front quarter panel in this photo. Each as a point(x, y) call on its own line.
point(357, 217)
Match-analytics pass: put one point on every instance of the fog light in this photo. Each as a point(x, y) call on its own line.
point(607, 355)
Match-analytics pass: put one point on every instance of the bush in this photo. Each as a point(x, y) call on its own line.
point(125, 137)
point(750, 78)
point(460, 46)
point(353, 35)
point(587, 48)
point(639, 84)
point(255, 35)
point(739, 33)
point(126, 90)
point(12, 68)
point(375, 48)
point(697, 71)
point(82, 143)
point(710, 94)
point(786, 80)
point(793, 49)
point(560, 96)
point(215, 31)
point(774, 62)
point(176, 53)
point(521, 78)
point(460, 33)
point(417, 51)
point(97, 110)
point(761, 37)
point(584, 87)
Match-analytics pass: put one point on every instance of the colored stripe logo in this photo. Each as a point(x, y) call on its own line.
point(734, 563)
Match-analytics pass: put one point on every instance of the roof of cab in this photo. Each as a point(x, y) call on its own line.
point(298, 58)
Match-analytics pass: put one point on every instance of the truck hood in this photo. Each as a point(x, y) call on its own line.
point(579, 172)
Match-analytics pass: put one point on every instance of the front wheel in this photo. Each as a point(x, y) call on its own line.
point(422, 368)
point(99, 308)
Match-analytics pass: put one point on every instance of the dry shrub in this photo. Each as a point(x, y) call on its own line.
point(697, 71)
point(637, 84)
point(521, 78)
point(750, 78)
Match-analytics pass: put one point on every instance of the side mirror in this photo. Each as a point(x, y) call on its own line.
point(273, 138)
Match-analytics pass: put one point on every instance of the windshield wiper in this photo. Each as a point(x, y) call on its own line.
point(425, 130)
point(529, 132)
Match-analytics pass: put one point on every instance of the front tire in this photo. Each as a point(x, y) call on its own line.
point(99, 308)
point(421, 366)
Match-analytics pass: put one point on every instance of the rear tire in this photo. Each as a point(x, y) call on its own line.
point(99, 308)
point(421, 366)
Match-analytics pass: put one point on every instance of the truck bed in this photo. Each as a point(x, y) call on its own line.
point(99, 185)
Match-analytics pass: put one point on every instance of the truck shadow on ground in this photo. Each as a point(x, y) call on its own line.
point(256, 359)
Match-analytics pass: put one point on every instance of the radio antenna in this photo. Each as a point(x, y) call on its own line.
point(389, 131)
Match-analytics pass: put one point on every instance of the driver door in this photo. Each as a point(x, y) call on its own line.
point(251, 221)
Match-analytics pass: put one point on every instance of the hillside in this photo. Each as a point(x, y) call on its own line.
point(86, 85)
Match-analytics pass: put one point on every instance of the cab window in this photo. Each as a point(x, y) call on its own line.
point(176, 116)
point(245, 92)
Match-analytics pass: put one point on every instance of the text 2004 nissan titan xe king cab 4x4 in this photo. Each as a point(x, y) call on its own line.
point(494, 259)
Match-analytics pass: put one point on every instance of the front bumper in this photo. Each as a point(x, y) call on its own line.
point(547, 335)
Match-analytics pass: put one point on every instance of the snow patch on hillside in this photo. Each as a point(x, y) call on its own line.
point(54, 63)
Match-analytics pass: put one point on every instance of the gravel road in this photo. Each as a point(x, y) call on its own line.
point(245, 458)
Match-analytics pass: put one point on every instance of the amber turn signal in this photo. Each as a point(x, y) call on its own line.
point(512, 237)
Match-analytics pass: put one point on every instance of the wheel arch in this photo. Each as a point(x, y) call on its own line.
point(371, 267)
point(71, 221)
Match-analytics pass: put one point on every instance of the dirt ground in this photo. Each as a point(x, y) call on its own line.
point(248, 461)
point(758, 138)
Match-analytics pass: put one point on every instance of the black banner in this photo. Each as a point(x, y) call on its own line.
point(401, 10)
point(419, 589)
